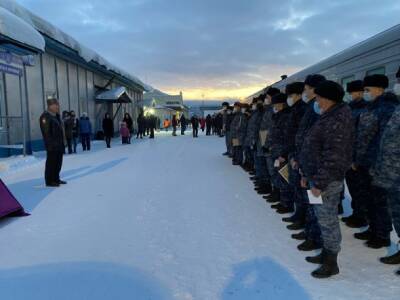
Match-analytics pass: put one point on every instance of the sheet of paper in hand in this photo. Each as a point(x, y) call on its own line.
point(263, 137)
point(235, 142)
point(277, 163)
point(284, 171)
point(314, 200)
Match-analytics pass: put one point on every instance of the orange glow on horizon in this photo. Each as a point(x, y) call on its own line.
point(210, 93)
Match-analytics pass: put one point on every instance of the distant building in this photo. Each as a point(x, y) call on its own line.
point(163, 105)
point(203, 108)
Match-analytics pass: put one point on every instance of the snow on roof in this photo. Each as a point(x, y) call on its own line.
point(55, 33)
point(118, 94)
point(19, 30)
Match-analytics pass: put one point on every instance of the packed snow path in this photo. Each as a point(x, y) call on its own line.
point(168, 218)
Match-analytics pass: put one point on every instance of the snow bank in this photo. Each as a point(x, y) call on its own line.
point(19, 30)
point(17, 163)
point(60, 36)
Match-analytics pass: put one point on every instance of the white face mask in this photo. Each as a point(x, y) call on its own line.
point(290, 101)
point(254, 107)
point(396, 89)
point(267, 101)
point(229, 112)
point(275, 110)
point(243, 110)
point(368, 97)
point(304, 97)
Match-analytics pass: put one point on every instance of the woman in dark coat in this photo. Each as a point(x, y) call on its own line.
point(129, 123)
point(174, 125)
point(108, 129)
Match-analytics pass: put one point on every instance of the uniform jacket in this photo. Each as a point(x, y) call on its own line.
point(280, 133)
point(371, 127)
point(357, 108)
point(308, 120)
point(69, 128)
point(52, 131)
point(239, 127)
point(327, 150)
point(195, 122)
point(386, 172)
point(297, 113)
point(253, 127)
point(228, 121)
point(265, 124)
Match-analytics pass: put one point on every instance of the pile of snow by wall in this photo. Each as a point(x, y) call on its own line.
point(19, 30)
point(15, 164)
point(55, 33)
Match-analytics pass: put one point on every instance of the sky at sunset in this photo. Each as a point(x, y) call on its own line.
point(217, 49)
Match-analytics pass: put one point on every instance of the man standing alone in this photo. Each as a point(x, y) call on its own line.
point(53, 136)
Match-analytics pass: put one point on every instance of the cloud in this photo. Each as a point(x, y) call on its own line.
point(221, 46)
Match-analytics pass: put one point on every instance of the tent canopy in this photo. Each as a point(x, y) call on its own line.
point(117, 95)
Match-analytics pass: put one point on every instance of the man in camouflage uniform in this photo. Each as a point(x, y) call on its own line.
point(312, 233)
point(53, 137)
point(265, 126)
point(238, 133)
point(371, 127)
point(277, 148)
point(298, 107)
point(387, 176)
point(251, 133)
point(327, 156)
point(356, 179)
point(225, 106)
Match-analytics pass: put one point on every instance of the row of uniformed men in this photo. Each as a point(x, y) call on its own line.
point(302, 145)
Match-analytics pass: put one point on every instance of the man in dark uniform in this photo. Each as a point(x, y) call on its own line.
point(53, 136)
point(357, 181)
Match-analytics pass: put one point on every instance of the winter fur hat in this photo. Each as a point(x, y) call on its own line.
point(225, 104)
point(273, 91)
point(237, 104)
point(279, 98)
point(355, 86)
point(377, 80)
point(51, 101)
point(314, 80)
point(330, 90)
point(295, 88)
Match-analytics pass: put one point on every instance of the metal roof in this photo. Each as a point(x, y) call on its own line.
point(117, 95)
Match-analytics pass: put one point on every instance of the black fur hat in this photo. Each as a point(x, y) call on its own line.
point(377, 80)
point(355, 86)
point(279, 98)
point(330, 90)
point(314, 80)
point(295, 88)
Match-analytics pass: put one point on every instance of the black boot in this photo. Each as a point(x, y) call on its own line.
point(308, 245)
point(318, 259)
point(284, 210)
point(391, 260)
point(289, 219)
point(301, 236)
point(271, 199)
point(398, 272)
point(364, 236)
point(377, 243)
point(328, 268)
point(356, 223)
point(296, 226)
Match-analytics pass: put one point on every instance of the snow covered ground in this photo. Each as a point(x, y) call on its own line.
point(168, 218)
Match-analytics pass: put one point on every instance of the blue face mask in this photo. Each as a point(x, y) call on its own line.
point(368, 97)
point(317, 109)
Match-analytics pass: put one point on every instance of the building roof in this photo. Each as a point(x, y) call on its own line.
point(20, 31)
point(51, 31)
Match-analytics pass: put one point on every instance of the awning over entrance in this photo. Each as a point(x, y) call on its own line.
point(117, 95)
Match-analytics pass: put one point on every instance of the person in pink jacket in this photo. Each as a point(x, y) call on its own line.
point(125, 134)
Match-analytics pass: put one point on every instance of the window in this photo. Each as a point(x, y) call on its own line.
point(380, 70)
point(345, 81)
